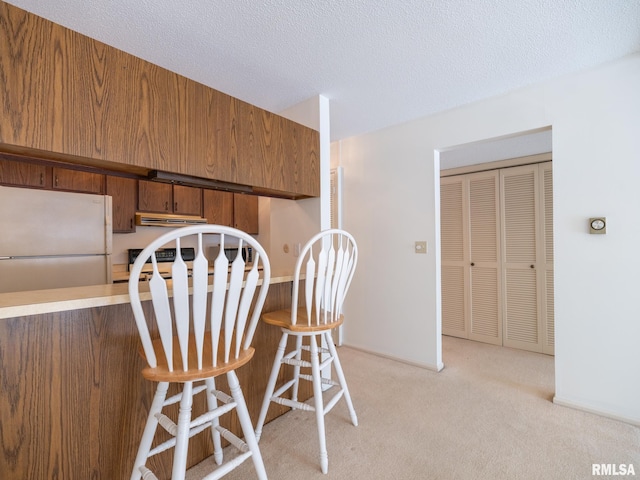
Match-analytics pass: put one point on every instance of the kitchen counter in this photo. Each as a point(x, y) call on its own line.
point(36, 302)
point(72, 384)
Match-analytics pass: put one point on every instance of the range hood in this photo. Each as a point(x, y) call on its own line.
point(167, 220)
point(189, 181)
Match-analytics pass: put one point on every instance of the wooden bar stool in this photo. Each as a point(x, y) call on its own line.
point(199, 330)
point(328, 262)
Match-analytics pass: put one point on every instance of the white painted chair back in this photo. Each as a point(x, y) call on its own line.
point(222, 302)
point(327, 262)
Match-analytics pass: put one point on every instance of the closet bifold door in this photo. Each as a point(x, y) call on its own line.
point(520, 258)
point(470, 259)
point(454, 256)
point(484, 258)
point(548, 318)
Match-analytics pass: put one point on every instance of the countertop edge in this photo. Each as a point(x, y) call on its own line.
point(38, 302)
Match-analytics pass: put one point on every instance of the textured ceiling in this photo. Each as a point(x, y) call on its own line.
point(379, 63)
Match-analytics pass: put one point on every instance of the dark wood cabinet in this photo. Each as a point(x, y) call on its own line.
point(155, 197)
point(124, 193)
point(231, 209)
point(158, 197)
point(218, 207)
point(187, 200)
point(33, 173)
point(24, 174)
point(78, 181)
point(245, 212)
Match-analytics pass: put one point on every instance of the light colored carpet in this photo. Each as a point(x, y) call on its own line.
point(487, 415)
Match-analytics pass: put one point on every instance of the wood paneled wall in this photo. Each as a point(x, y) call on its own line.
point(73, 402)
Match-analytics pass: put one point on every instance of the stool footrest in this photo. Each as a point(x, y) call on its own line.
point(147, 474)
point(323, 380)
point(233, 439)
point(296, 363)
point(320, 349)
point(293, 404)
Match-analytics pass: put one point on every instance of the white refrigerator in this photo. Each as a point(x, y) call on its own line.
point(51, 239)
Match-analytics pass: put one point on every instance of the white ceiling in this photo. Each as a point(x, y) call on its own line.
point(379, 62)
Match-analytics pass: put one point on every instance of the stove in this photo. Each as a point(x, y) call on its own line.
point(165, 255)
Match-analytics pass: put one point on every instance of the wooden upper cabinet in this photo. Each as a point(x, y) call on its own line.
point(90, 103)
point(231, 209)
point(24, 174)
point(245, 212)
point(218, 207)
point(78, 181)
point(167, 198)
point(155, 197)
point(124, 193)
point(187, 200)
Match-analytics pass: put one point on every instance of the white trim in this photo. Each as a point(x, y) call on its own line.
point(511, 162)
point(596, 411)
point(427, 366)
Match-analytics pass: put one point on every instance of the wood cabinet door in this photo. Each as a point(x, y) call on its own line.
point(245, 212)
point(125, 195)
point(24, 174)
point(155, 197)
point(187, 200)
point(78, 181)
point(218, 207)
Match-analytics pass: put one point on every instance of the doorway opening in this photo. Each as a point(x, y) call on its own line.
point(496, 236)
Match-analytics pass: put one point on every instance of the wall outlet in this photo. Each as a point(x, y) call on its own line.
point(421, 247)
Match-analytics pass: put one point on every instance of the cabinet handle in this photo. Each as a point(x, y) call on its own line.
point(533, 266)
point(42, 179)
point(473, 264)
point(166, 206)
point(175, 207)
point(56, 181)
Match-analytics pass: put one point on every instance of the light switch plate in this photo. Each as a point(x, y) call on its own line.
point(421, 247)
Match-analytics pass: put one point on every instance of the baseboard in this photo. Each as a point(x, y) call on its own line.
point(596, 411)
point(428, 366)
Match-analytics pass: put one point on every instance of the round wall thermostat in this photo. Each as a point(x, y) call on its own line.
point(598, 225)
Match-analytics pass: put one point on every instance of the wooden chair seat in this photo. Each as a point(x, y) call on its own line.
point(161, 372)
point(282, 319)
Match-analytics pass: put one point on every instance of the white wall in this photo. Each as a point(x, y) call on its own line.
point(391, 186)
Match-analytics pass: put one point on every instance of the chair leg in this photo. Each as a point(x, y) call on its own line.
point(212, 404)
point(245, 423)
point(296, 369)
point(271, 384)
point(149, 430)
point(182, 435)
point(340, 374)
point(318, 403)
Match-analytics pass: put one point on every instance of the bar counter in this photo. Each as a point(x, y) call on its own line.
point(73, 402)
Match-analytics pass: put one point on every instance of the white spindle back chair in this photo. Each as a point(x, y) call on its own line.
point(323, 272)
point(202, 326)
